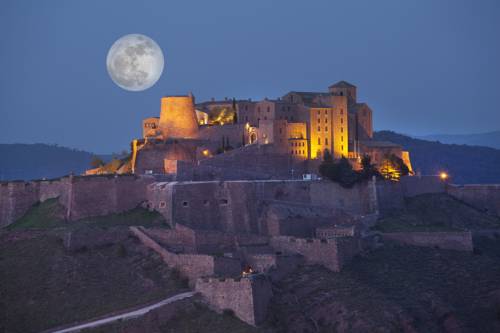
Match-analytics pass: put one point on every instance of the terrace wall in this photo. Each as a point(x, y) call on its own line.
point(460, 241)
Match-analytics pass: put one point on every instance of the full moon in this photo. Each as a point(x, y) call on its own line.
point(135, 62)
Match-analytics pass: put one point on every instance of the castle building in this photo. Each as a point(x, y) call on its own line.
point(304, 126)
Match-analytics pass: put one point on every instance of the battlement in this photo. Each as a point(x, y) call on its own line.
point(247, 297)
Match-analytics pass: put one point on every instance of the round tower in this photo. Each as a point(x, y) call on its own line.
point(178, 118)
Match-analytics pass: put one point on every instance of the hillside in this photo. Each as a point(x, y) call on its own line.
point(36, 161)
point(490, 139)
point(465, 164)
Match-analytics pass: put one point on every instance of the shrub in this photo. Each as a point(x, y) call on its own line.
point(228, 312)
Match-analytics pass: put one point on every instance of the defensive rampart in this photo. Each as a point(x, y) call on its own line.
point(461, 241)
point(331, 253)
point(247, 297)
point(83, 196)
point(235, 206)
point(191, 266)
point(482, 197)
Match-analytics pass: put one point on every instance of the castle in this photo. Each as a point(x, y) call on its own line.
point(268, 139)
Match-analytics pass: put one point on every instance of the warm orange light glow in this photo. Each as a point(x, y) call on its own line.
point(205, 152)
point(443, 176)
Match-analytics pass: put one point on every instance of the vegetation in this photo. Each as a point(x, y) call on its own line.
point(341, 171)
point(50, 214)
point(436, 212)
point(96, 162)
point(393, 168)
point(43, 285)
point(465, 164)
point(221, 116)
point(395, 289)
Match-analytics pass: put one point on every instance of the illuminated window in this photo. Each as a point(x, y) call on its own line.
point(341, 130)
point(341, 120)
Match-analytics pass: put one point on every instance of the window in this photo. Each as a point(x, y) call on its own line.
point(280, 130)
point(319, 112)
point(291, 152)
point(326, 128)
point(319, 129)
point(326, 120)
point(162, 204)
point(223, 201)
point(246, 107)
point(319, 141)
point(289, 107)
point(341, 130)
point(326, 111)
point(341, 120)
point(342, 147)
point(341, 111)
point(326, 141)
point(185, 204)
point(341, 138)
point(205, 202)
point(319, 120)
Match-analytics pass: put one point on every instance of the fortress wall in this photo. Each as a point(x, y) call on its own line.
point(483, 197)
point(460, 241)
point(331, 253)
point(191, 266)
point(103, 195)
point(248, 298)
point(416, 185)
point(276, 266)
point(235, 206)
point(180, 236)
point(390, 196)
point(17, 198)
point(208, 241)
point(315, 251)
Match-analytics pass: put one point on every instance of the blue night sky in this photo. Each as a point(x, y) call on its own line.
point(423, 66)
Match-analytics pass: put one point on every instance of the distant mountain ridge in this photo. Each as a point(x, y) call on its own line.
point(466, 164)
point(490, 139)
point(37, 161)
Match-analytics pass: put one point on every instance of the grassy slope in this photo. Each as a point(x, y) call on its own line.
point(395, 287)
point(196, 317)
point(50, 214)
point(43, 285)
point(436, 212)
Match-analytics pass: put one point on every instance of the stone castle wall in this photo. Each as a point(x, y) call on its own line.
point(248, 297)
point(331, 253)
point(235, 206)
point(390, 195)
point(192, 266)
point(461, 241)
point(482, 197)
point(82, 196)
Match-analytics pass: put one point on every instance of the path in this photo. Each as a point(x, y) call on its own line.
point(127, 315)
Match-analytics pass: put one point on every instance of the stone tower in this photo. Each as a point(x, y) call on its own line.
point(343, 88)
point(178, 118)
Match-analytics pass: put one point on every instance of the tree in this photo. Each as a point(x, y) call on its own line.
point(393, 168)
point(96, 162)
point(340, 171)
point(368, 170)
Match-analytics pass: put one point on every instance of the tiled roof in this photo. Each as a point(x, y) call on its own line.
point(342, 84)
